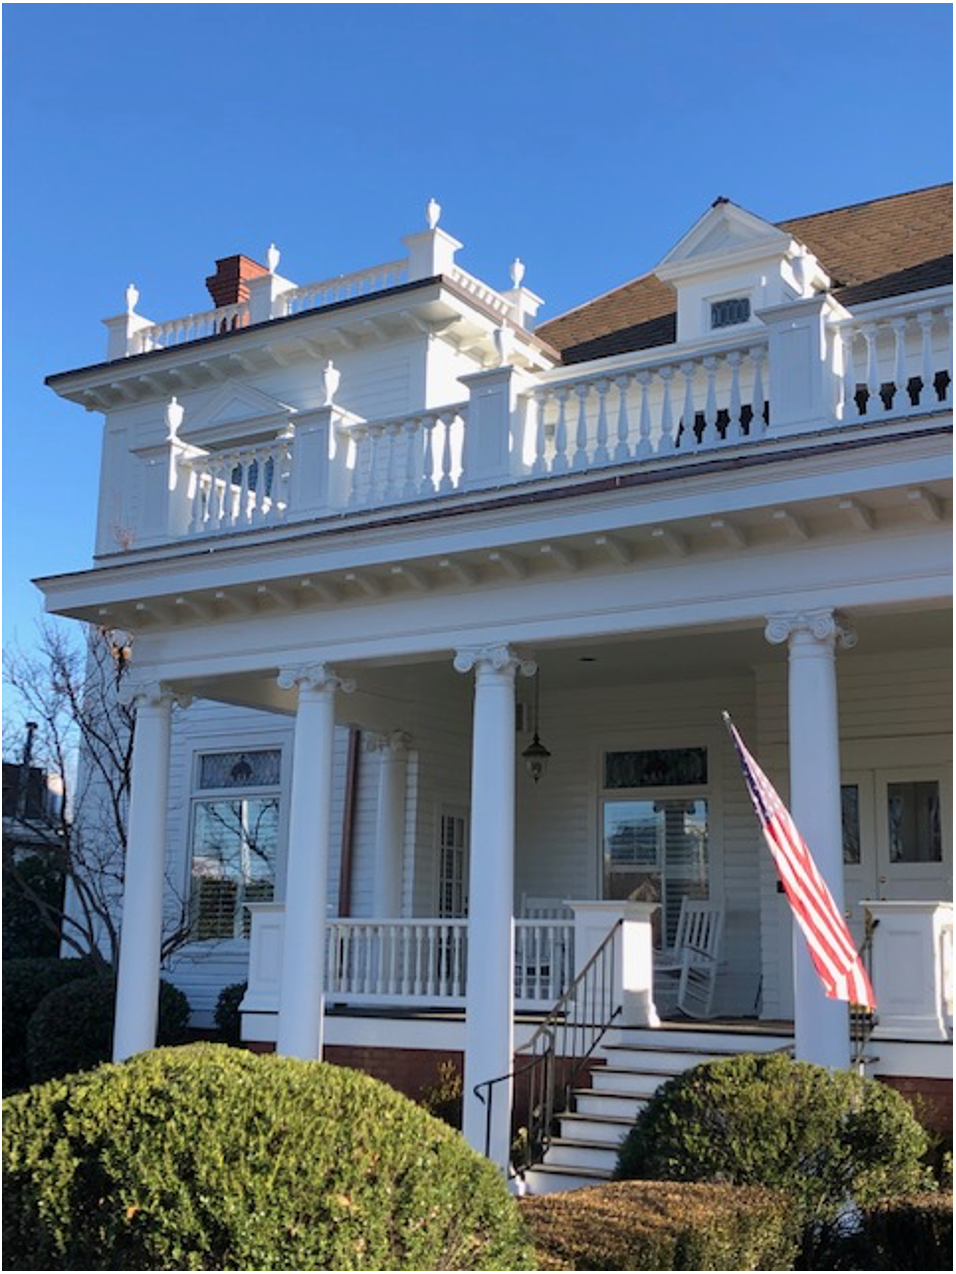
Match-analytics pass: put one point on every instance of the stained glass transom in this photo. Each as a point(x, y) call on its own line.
point(219, 770)
point(660, 767)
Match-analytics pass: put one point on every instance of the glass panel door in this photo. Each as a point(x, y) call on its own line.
point(914, 834)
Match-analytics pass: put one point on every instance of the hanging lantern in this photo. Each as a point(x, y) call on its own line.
point(536, 756)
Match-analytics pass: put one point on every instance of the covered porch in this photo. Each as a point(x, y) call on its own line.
point(441, 878)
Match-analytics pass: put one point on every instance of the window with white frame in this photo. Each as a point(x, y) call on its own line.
point(234, 839)
point(452, 864)
point(655, 828)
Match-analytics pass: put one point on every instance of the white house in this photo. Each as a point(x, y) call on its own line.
point(348, 521)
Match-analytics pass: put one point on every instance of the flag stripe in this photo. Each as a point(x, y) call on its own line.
point(829, 941)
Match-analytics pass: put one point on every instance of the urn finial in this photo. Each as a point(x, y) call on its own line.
point(331, 378)
point(517, 272)
point(272, 258)
point(432, 213)
point(132, 298)
point(504, 339)
point(174, 418)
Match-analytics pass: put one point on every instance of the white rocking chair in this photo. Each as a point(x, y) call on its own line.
point(685, 975)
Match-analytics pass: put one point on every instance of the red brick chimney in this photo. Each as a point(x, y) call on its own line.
point(227, 286)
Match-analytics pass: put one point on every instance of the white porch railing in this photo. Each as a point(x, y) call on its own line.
point(892, 362)
point(193, 327)
point(375, 278)
point(414, 961)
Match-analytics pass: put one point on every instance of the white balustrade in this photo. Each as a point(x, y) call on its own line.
point(658, 409)
point(343, 287)
point(397, 961)
point(239, 488)
point(409, 961)
point(544, 961)
point(406, 457)
point(481, 291)
point(898, 364)
point(227, 318)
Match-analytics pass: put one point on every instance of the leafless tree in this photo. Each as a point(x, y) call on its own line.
point(73, 691)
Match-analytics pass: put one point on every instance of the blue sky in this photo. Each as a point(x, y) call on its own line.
point(143, 141)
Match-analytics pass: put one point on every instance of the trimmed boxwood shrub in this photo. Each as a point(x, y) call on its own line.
point(650, 1225)
point(209, 1157)
point(227, 1017)
point(26, 982)
point(912, 1233)
point(72, 1028)
point(763, 1119)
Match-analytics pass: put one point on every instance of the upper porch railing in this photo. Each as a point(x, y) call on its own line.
point(890, 362)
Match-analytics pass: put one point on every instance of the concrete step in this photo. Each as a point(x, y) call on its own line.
point(544, 1180)
point(693, 1035)
point(644, 1082)
point(605, 1130)
point(566, 1153)
point(612, 1104)
point(665, 1058)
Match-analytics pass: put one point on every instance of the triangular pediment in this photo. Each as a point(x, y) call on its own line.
point(724, 231)
point(235, 410)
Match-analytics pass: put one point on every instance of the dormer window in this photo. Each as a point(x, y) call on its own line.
point(729, 312)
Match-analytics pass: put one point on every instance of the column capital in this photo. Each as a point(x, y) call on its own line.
point(143, 692)
point(396, 742)
point(494, 658)
point(823, 625)
point(313, 677)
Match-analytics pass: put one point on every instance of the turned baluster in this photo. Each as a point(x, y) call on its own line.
point(601, 453)
point(216, 493)
point(873, 400)
point(413, 458)
point(688, 436)
point(666, 443)
point(428, 470)
point(199, 501)
point(361, 476)
point(709, 434)
point(734, 432)
point(540, 399)
point(758, 426)
point(622, 449)
point(446, 483)
point(948, 320)
point(375, 478)
point(259, 487)
point(644, 447)
point(901, 397)
point(927, 393)
point(391, 487)
point(851, 407)
point(245, 460)
point(560, 462)
point(580, 459)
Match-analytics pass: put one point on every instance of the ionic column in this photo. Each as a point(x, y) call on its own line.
point(302, 995)
point(390, 822)
point(137, 983)
point(821, 1025)
point(489, 1011)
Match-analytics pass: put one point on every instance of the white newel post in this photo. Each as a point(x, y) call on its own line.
point(487, 459)
point(301, 1001)
point(123, 330)
point(267, 296)
point(912, 969)
point(821, 1025)
point(489, 1011)
point(137, 984)
point(167, 485)
point(804, 377)
point(392, 752)
point(633, 957)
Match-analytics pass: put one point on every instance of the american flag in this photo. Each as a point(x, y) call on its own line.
point(834, 956)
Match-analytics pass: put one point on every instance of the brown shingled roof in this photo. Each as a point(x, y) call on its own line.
point(885, 247)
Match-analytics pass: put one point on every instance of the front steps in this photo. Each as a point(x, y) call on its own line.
point(637, 1061)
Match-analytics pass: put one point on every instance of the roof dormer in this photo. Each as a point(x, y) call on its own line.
point(731, 265)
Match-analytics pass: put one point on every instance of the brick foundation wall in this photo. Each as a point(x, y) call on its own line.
point(933, 1099)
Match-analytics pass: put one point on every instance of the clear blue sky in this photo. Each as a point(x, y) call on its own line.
point(143, 141)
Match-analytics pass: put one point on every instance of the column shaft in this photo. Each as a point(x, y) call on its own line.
point(137, 986)
point(390, 827)
point(821, 1025)
point(489, 1013)
point(302, 996)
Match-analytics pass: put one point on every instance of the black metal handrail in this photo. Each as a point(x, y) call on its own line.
point(571, 1031)
point(862, 1019)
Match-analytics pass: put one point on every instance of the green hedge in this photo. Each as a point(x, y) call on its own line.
point(649, 1225)
point(227, 1017)
point(911, 1233)
point(209, 1157)
point(762, 1119)
point(72, 1027)
point(26, 982)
